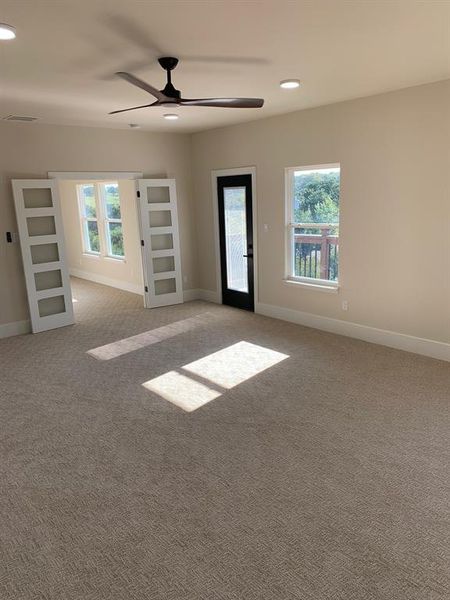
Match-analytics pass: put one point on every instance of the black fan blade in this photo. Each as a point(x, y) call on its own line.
point(224, 102)
point(114, 112)
point(141, 84)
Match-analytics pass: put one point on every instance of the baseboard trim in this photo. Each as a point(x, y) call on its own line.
point(189, 295)
point(384, 337)
point(210, 296)
point(115, 283)
point(199, 294)
point(15, 328)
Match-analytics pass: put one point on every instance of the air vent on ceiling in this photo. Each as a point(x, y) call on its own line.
point(19, 118)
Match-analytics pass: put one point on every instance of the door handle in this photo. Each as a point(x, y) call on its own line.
point(247, 255)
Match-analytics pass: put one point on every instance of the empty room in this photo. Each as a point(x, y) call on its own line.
point(224, 300)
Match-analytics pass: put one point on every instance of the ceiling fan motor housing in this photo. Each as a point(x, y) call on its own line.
point(168, 63)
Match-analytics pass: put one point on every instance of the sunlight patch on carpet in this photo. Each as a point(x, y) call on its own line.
point(224, 369)
point(181, 390)
point(141, 340)
point(235, 364)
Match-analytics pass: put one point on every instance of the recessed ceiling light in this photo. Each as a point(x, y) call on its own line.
point(290, 84)
point(171, 117)
point(7, 32)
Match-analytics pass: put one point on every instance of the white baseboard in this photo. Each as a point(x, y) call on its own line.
point(198, 294)
point(116, 283)
point(15, 328)
point(189, 295)
point(384, 337)
point(210, 296)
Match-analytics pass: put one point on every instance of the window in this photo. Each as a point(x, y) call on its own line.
point(101, 219)
point(109, 193)
point(89, 221)
point(312, 203)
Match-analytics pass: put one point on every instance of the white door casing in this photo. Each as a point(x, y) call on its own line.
point(160, 240)
point(41, 236)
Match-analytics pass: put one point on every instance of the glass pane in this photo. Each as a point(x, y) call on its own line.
point(41, 226)
point(93, 237)
point(160, 218)
point(163, 264)
point(162, 241)
point(316, 211)
point(112, 200)
point(235, 238)
point(87, 197)
point(37, 197)
point(158, 194)
point(46, 280)
point(165, 286)
point(116, 239)
point(51, 306)
point(42, 253)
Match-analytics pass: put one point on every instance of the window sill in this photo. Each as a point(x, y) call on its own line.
point(115, 258)
point(329, 289)
point(104, 257)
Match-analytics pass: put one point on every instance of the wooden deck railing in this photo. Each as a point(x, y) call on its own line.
point(321, 259)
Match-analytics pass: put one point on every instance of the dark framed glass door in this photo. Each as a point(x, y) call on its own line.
point(236, 240)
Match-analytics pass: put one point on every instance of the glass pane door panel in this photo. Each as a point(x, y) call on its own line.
point(236, 238)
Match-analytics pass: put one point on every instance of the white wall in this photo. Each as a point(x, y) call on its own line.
point(395, 205)
point(125, 274)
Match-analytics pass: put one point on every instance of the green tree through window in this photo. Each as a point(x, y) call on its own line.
point(316, 200)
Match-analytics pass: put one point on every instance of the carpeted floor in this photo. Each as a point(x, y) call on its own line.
point(324, 476)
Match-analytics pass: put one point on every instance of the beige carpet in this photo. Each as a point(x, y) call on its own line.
point(315, 468)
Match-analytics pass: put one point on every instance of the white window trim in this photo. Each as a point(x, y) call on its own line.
point(304, 282)
point(84, 221)
point(106, 220)
point(102, 222)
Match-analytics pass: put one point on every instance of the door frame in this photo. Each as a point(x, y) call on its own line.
point(99, 175)
point(215, 199)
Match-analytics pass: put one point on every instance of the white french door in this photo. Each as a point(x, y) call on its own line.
point(158, 217)
point(43, 254)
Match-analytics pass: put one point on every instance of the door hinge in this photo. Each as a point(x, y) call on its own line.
point(146, 288)
point(142, 243)
point(138, 194)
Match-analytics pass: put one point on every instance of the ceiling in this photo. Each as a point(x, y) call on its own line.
point(61, 66)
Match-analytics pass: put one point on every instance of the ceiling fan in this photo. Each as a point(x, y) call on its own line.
point(171, 97)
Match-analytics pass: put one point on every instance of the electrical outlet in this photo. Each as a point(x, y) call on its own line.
point(344, 304)
point(265, 227)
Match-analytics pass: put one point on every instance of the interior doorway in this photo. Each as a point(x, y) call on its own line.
point(101, 232)
point(108, 228)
